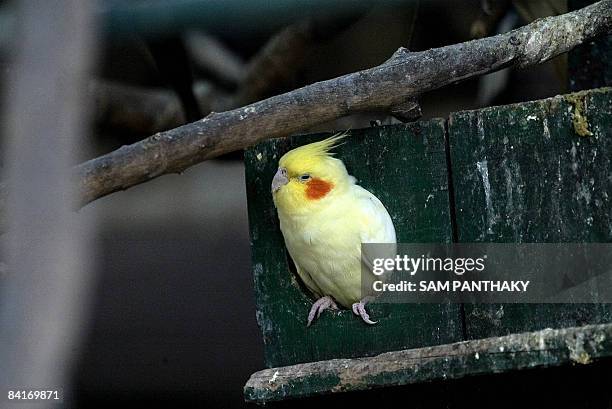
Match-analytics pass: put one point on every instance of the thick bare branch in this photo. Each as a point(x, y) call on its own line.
point(403, 76)
point(148, 110)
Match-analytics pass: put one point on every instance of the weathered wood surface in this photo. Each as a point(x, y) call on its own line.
point(545, 348)
point(405, 75)
point(405, 166)
point(534, 172)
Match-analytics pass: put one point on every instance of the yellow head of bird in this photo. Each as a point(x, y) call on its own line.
point(308, 175)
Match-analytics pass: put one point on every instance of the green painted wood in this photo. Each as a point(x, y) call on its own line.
point(405, 166)
point(523, 173)
point(541, 349)
point(590, 64)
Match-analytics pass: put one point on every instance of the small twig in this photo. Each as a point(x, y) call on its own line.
point(408, 111)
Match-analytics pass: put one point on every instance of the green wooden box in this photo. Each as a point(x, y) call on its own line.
point(532, 172)
point(405, 166)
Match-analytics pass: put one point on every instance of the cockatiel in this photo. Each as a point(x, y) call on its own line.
point(324, 217)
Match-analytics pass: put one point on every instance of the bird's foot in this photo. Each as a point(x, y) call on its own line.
point(319, 306)
point(359, 309)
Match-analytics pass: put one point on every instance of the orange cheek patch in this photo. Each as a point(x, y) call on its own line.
point(317, 189)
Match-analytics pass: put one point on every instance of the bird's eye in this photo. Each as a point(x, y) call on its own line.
point(304, 177)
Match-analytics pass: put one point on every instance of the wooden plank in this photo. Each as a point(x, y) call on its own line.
point(405, 166)
point(534, 172)
point(546, 348)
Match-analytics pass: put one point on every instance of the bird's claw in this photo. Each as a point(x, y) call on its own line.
point(359, 309)
point(319, 306)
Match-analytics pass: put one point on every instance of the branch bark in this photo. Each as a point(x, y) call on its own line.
point(405, 75)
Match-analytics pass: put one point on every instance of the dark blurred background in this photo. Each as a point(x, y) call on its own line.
point(173, 313)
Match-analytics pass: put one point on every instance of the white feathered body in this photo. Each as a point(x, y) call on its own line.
point(325, 243)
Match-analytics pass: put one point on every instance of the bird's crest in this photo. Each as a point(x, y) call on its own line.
point(315, 150)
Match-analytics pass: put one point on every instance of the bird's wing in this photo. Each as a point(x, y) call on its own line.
point(377, 226)
point(307, 280)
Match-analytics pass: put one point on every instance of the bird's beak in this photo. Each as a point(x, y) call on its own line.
point(280, 179)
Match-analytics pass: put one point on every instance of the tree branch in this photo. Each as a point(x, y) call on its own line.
point(282, 57)
point(148, 110)
point(403, 76)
